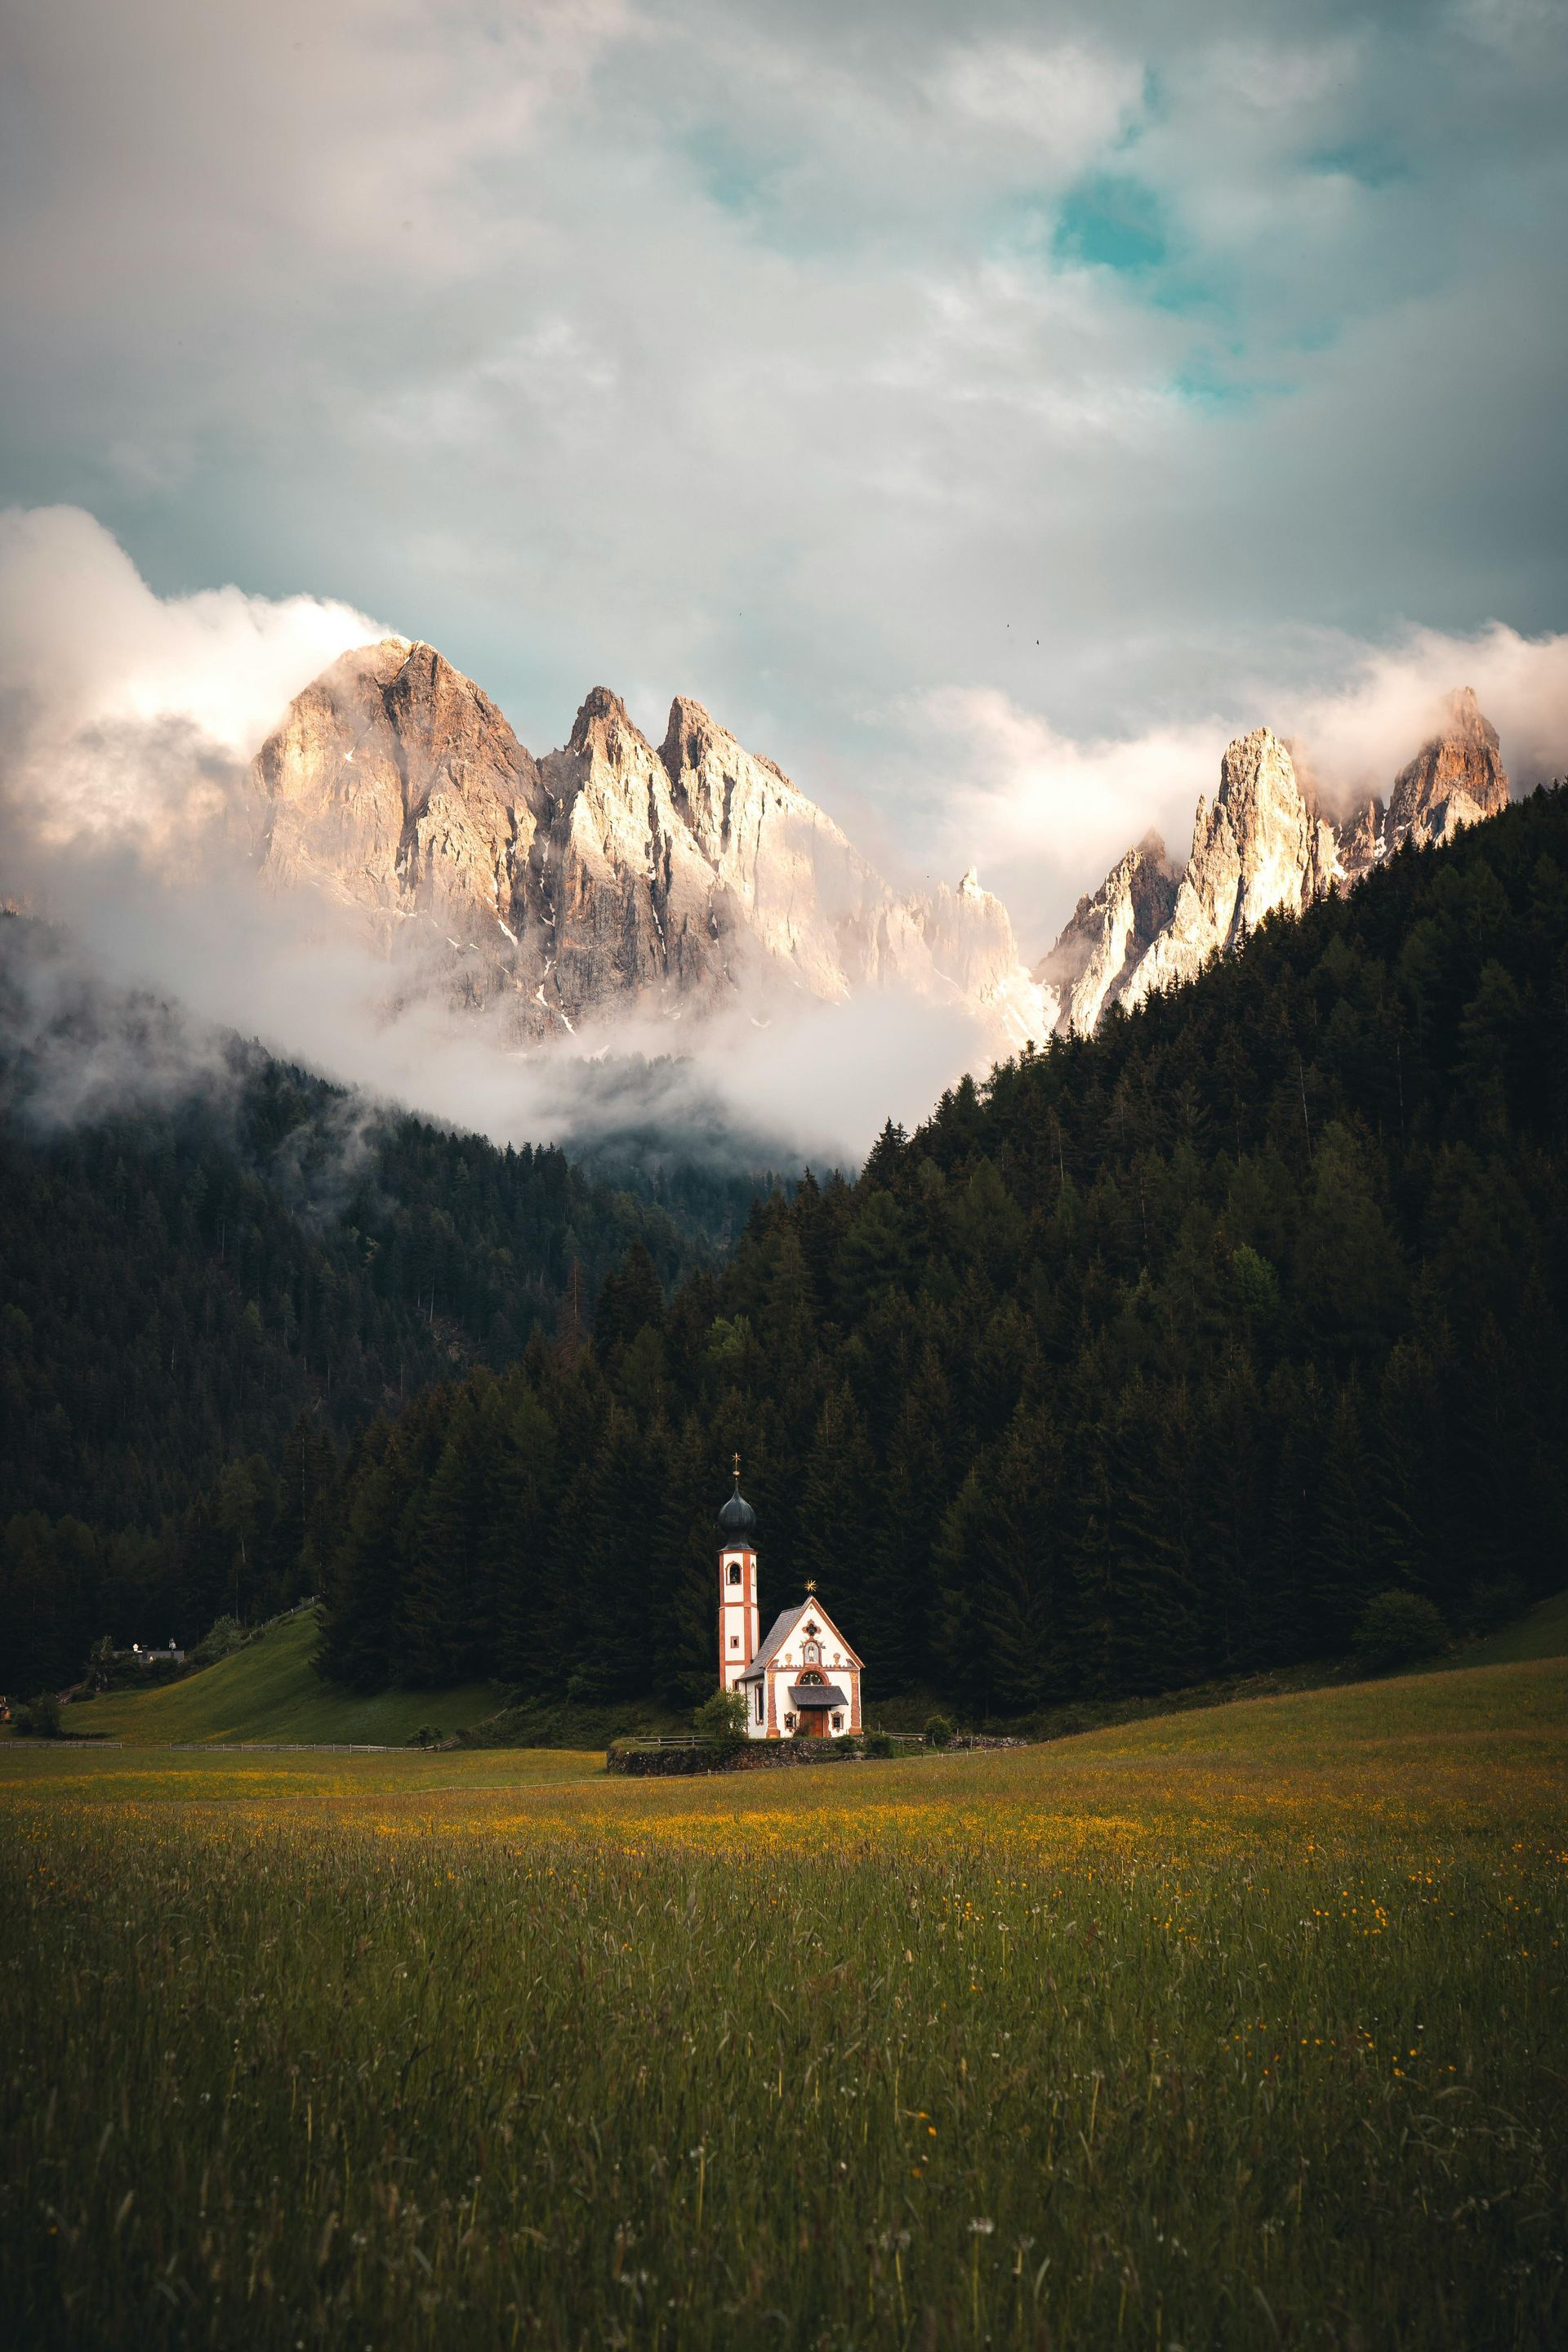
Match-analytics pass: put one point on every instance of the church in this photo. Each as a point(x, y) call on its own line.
point(804, 1681)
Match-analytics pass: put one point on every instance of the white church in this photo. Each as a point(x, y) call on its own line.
point(804, 1681)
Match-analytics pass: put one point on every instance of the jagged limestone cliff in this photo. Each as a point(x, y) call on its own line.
point(1455, 779)
point(1262, 847)
point(1111, 932)
point(605, 877)
point(610, 878)
point(1257, 849)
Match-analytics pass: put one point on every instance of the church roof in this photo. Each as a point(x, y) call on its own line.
point(737, 1520)
point(780, 1635)
point(783, 1625)
point(817, 1695)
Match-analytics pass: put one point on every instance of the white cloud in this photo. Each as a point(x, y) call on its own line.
point(1361, 731)
point(1067, 101)
point(125, 706)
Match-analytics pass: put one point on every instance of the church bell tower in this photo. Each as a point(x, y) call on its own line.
point(739, 1630)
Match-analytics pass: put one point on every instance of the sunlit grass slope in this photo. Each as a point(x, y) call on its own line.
point(270, 1690)
point(1544, 1633)
point(1229, 2029)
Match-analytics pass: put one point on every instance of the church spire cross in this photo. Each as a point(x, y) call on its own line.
point(737, 1470)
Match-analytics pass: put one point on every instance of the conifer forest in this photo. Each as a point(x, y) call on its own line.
point(1150, 1358)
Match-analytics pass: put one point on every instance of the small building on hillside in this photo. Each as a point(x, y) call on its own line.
point(804, 1681)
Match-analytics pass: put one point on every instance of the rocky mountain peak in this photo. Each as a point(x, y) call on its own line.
point(1457, 778)
point(701, 758)
point(1110, 931)
point(1464, 721)
point(393, 783)
point(1259, 796)
point(690, 735)
point(1262, 844)
point(603, 724)
point(607, 876)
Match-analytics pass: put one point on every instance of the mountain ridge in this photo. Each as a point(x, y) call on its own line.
point(613, 879)
point(1261, 847)
point(605, 877)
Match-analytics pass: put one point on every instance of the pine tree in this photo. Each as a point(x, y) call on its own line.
point(840, 1510)
point(898, 1591)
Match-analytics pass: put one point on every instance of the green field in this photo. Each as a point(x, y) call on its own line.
point(270, 1691)
point(1226, 2029)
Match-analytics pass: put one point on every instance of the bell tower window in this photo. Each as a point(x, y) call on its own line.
point(734, 1571)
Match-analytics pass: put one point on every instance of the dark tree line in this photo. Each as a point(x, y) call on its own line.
point(1154, 1357)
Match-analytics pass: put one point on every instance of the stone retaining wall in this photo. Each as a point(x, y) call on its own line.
point(752, 1756)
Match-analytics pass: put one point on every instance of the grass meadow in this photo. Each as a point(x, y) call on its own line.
point(1233, 2029)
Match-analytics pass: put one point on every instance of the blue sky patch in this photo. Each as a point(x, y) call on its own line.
point(1112, 222)
point(1362, 160)
point(1205, 384)
point(732, 173)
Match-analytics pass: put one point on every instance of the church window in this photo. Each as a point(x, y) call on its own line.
point(839, 1723)
point(810, 1676)
point(790, 1722)
point(757, 1700)
point(734, 1640)
point(734, 1571)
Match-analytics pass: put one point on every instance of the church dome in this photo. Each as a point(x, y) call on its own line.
point(737, 1520)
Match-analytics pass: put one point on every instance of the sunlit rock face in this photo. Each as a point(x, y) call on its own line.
point(1262, 847)
point(393, 781)
point(605, 878)
point(804, 895)
point(1254, 851)
point(1455, 779)
point(1111, 932)
point(635, 909)
point(610, 878)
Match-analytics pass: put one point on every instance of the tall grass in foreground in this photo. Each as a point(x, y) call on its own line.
point(1185, 2055)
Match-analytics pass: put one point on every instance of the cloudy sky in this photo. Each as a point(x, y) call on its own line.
point(983, 410)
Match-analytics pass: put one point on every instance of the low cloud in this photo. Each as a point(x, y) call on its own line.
point(125, 714)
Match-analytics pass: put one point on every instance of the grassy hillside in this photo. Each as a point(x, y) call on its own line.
point(1542, 1633)
point(1415, 1731)
point(270, 1690)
